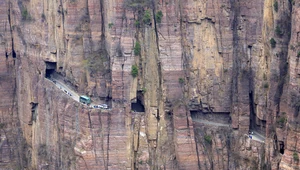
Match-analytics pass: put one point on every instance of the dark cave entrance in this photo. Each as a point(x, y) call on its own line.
point(281, 147)
point(50, 68)
point(138, 106)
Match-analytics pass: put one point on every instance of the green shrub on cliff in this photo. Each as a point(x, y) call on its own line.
point(147, 17)
point(298, 55)
point(25, 15)
point(281, 122)
point(273, 43)
point(158, 16)
point(137, 48)
point(134, 70)
point(208, 139)
point(137, 5)
point(181, 80)
point(295, 156)
point(110, 25)
point(275, 6)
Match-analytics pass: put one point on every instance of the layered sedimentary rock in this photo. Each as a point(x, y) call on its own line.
point(233, 64)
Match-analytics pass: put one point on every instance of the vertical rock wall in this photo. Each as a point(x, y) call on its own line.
point(210, 56)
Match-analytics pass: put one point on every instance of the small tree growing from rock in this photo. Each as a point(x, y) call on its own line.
point(273, 42)
point(181, 80)
point(296, 156)
point(134, 70)
point(147, 17)
point(208, 139)
point(275, 6)
point(137, 48)
point(158, 16)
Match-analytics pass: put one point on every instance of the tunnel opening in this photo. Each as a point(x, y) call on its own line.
point(281, 147)
point(138, 106)
point(50, 69)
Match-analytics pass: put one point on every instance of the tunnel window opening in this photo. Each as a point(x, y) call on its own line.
point(281, 147)
point(14, 55)
point(6, 55)
point(138, 106)
point(193, 114)
point(50, 69)
point(33, 112)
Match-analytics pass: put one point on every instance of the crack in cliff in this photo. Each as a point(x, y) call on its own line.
point(155, 26)
point(63, 22)
point(11, 31)
point(108, 134)
point(235, 58)
point(92, 135)
point(102, 137)
point(102, 23)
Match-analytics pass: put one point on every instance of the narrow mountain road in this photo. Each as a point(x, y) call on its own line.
point(255, 136)
point(75, 96)
point(66, 90)
point(258, 137)
point(210, 123)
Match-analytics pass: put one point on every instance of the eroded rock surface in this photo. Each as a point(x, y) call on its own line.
point(233, 64)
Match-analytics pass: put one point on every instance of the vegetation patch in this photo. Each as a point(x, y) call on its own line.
point(136, 5)
point(158, 16)
point(25, 15)
point(134, 70)
point(147, 17)
point(208, 139)
point(295, 156)
point(298, 55)
point(273, 42)
point(181, 80)
point(281, 121)
point(110, 25)
point(137, 23)
point(275, 5)
point(144, 90)
point(137, 48)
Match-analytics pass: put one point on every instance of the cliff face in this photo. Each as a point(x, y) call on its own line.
point(208, 72)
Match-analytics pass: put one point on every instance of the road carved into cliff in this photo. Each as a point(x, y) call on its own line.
point(255, 136)
point(68, 91)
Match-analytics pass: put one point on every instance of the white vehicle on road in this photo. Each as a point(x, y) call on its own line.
point(103, 106)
